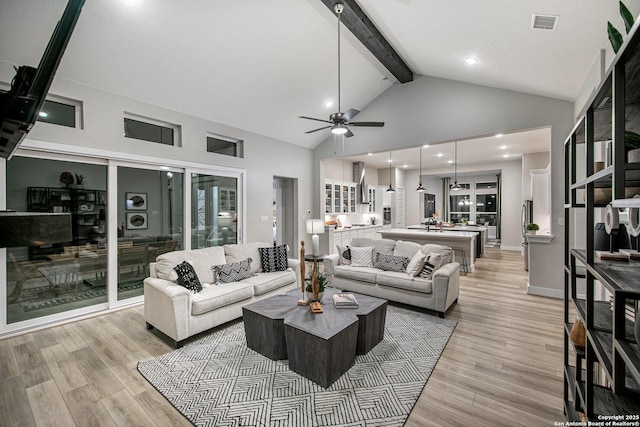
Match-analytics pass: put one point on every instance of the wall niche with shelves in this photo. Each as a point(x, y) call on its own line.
point(601, 286)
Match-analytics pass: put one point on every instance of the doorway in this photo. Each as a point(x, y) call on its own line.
point(285, 206)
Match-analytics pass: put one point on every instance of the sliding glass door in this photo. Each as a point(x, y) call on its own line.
point(50, 277)
point(214, 210)
point(150, 218)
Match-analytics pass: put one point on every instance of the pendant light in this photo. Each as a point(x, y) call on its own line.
point(420, 188)
point(455, 186)
point(390, 189)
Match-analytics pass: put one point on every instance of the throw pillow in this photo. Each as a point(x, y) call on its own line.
point(187, 277)
point(432, 263)
point(416, 264)
point(391, 263)
point(274, 258)
point(362, 257)
point(345, 254)
point(234, 272)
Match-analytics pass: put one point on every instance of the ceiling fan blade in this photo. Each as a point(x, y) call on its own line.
point(317, 120)
point(369, 124)
point(316, 130)
point(349, 134)
point(350, 114)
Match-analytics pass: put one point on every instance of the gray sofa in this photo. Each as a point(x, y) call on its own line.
point(438, 293)
point(180, 314)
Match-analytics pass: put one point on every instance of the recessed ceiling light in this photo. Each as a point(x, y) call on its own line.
point(499, 135)
point(503, 147)
point(450, 161)
point(389, 161)
point(43, 114)
point(165, 168)
point(328, 104)
point(439, 154)
point(426, 145)
point(405, 166)
point(369, 154)
point(505, 155)
point(471, 60)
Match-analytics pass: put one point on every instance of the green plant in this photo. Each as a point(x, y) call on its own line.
point(322, 282)
point(615, 37)
point(631, 140)
point(464, 220)
point(533, 227)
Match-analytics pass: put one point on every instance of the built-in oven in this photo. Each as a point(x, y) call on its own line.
point(386, 215)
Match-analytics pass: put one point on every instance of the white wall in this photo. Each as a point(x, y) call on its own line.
point(432, 110)
point(263, 157)
point(529, 162)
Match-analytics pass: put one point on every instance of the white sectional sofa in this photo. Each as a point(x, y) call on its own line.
point(179, 313)
point(438, 293)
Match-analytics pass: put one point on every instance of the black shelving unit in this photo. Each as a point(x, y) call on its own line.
point(603, 378)
point(88, 213)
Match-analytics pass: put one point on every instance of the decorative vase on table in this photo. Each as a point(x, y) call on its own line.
point(311, 298)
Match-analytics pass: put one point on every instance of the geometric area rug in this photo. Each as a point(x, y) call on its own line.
point(218, 381)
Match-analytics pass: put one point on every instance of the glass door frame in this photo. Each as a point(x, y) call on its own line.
point(241, 191)
point(112, 160)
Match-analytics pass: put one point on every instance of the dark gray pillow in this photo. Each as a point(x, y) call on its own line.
point(391, 263)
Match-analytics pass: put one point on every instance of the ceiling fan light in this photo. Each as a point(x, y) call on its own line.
point(339, 129)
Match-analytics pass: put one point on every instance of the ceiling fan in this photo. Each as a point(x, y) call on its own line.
point(339, 122)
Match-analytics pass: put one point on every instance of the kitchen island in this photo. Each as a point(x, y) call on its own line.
point(481, 241)
point(457, 240)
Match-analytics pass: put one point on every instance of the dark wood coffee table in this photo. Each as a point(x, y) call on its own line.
point(320, 347)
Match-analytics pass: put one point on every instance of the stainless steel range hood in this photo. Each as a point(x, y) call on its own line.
point(361, 189)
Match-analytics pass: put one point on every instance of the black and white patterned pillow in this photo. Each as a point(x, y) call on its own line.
point(433, 262)
point(274, 258)
point(187, 277)
point(345, 254)
point(234, 272)
point(391, 263)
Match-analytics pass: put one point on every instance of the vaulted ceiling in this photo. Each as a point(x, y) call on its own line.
point(259, 64)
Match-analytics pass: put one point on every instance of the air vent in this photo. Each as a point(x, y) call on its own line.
point(544, 22)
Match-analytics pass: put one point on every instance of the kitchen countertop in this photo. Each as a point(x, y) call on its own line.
point(354, 228)
point(450, 234)
point(456, 228)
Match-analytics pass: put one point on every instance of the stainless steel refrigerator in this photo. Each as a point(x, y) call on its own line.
point(527, 217)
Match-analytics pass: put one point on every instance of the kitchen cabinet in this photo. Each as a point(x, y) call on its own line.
point(339, 197)
point(332, 197)
point(227, 200)
point(373, 193)
point(603, 377)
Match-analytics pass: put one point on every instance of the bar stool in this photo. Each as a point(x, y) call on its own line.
point(463, 263)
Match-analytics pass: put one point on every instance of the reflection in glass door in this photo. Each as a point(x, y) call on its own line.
point(49, 278)
point(150, 214)
point(214, 210)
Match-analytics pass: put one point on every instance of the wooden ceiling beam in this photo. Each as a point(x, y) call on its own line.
point(354, 18)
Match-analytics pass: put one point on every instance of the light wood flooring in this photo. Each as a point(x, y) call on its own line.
point(502, 366)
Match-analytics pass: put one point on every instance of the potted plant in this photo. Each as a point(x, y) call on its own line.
point(464, 221)
point(322, 282)
point(532, 228)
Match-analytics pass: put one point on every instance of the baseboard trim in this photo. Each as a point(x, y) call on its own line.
point(545, 292)
point(510, 248)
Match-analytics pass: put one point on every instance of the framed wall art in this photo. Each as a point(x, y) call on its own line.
point(137, 221)
point(136, 201)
